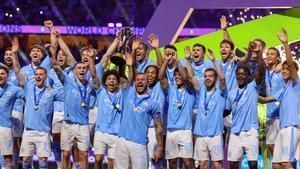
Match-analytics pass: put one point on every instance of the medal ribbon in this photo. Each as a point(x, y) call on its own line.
point(137, 101)
point(207, 103)
point(83, 94)
point(270, 77)
point(37, 99)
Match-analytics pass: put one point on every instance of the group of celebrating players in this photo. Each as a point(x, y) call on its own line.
point(143, 112)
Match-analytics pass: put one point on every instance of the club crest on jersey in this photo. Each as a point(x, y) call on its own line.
point(8, 93)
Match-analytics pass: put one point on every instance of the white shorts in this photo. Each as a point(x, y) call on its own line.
point(272, 129)
point(5, 141)
point(92, 119)
point(129, 152)
point(32, 139)
point(179, 143)
point(105, 142)
point(17, 124)
point(287, 145)
point(71, 131)
point(207, 148)
point(58, 118)
point(152, 144)
point(244, 141)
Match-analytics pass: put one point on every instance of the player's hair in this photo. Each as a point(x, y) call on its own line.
point(154, 66)
point(211, 70)
point(244, 67)
point(201, 46)
point(110, 72)
point(82, 50)
point(263, 43)
point(229, 42)
point(295, 63)
point(38, 47)
point(145, 46)
point(42, 68)
point(5, 68)
point(171, 47)
point(9, 48)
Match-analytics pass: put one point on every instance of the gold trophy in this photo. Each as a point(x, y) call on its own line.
point(119, 58)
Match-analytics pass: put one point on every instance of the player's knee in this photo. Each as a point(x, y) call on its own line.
point(42, 159)
point(203, 164)
point(66, 154)
point(26, 160)
point(217, 164)
point(83, 155)
point(252, 164)
point(99, 158)
point(173, 163)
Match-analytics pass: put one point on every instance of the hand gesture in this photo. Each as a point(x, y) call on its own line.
point(211, 55)
point(15, 45)
point(158, 154)
point(283, 36)
point(48, 24)
point(187, 52)
point(136, 42)
point(57, 33)
point(167, 55)
point(252, 47)
point(153, 40)
point(91, 51)
point(223, 22)
point(119, 34)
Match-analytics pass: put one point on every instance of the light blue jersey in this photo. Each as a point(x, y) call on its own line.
point(274, 83)
point(157, 93)
point(229, 70)
point(211, 105)
point(109, 113)
point(12, 79)
point(181, 102)
point(29, 70)
point(289, 97)
point(8, 95)
point(77, 100)
point(138, 111)
point(39, 106)
point(141, 67)
point(243, 103)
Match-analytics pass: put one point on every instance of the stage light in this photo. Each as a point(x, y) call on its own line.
point(119, 25)
point(18, 9)
point(245, 16)
point(241, 13)
point(230, 16)
point(6, 14)
point(271, 12)
point(41, 12)
point(252, 17)
point(230, 24)
point(10, 15)
point(238, 18)
point(111, 25)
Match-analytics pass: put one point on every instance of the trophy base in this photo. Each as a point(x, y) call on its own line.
point(118, 59)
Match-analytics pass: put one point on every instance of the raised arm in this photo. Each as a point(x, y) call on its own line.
point(53, 39)
point(264, 100)
point(16, 64)
point(55, 65)
point(224, 25)
point(261, 68)
point(154, 42)
point(218, 69)
point(63, 46)
point(283, 37)
point(159, 138)
point(91, 53)
point(131, 66)
point(162, 71)
point(111, 49)
point(187, 55)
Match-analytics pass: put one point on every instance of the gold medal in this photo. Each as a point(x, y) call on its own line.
point(135, 109)
point(82, 104)
point(179, 105)
point(35, 107)
point(118, 106)
point(277, 103)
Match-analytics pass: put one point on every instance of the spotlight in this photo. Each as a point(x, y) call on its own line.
point(230, 16)
point(241, 13)
point(6, 14)
point(41, 12)
point(111, 25)
point(10, 15)
point(271, 12)
point(18, 9)
point(245, 16)
point(230, 24)
point(119, 25)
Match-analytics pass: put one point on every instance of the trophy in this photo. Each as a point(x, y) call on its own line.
point(119, 58)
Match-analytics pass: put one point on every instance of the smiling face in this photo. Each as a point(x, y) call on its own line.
point(242, 76)
point(112, 83)
point(225, 50)
point(272, 57)
point(61, 58)
point(151, 72)
point(210, 79)
point(178, 79)
point(40, 76)
point(141, 83)
point(141, 53)
point(36, 55)
point(198, 53)
point(8, 57)
point(3, 77)
point(80, 70)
